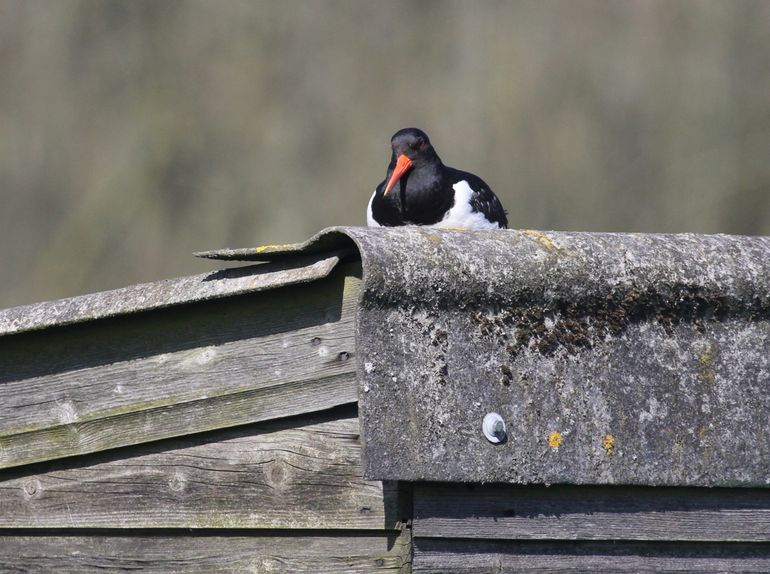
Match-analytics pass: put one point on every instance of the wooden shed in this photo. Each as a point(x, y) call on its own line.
point(400, 400)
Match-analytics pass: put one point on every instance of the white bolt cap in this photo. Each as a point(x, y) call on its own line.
point(493, 426)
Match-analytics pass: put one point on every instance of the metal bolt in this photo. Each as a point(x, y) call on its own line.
point(493, 427)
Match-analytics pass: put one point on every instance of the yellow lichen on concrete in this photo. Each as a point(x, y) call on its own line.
point(554, 439)
point(609, 444)
point(263, 248)
point(541, 238)
point(705, 360)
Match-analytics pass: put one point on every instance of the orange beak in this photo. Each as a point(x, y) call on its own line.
point(402, 166)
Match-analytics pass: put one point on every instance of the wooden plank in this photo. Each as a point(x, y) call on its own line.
point(347, 553)
point(269, 475)
point(592, 513)
point(444, 556)
point(167, 293)
point(140, 378)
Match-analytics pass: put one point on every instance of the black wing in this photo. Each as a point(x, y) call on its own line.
point(483, 199)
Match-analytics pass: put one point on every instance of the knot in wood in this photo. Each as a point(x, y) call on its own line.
point(32, 488)
point(177, 482)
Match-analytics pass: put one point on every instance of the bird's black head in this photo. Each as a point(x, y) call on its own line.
point(412, 143)
point(411, 150)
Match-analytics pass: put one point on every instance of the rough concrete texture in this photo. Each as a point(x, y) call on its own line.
point(628, 359)
point(166, 293)
point(613, 358)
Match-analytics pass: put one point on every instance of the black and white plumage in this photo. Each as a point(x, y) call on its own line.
point(420, 190)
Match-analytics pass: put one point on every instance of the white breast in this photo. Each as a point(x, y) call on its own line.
point(369, 218)
point(461, 214)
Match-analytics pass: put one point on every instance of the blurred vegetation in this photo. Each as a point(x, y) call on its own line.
point(134, 132)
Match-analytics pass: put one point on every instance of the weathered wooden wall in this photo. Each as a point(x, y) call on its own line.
point(213, 436)
point(301, 472)
point(285, 493)
point(206, 553)
point(147, 376)
point(506, 529)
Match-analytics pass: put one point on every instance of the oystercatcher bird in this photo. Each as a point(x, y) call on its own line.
point(420, 190)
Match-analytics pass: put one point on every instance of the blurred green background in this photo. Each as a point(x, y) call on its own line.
point(134, 132)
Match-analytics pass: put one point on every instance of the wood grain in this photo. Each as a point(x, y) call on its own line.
point(434, 556)
point(306, 554)
point(268, 475)
point(166, 373)
point(592, 513)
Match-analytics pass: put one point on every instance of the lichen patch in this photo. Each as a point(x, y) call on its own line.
point(555, 440)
